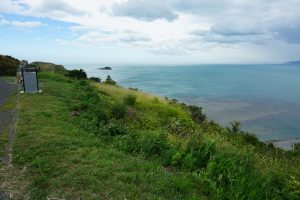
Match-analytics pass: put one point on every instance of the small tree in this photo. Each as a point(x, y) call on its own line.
point(110, 81)
point(196, 114)
point(235, 127)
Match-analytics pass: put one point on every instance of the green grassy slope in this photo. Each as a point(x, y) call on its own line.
point(48, 67)
point(80, 140)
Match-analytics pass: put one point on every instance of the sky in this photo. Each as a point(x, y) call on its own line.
point(151, 31)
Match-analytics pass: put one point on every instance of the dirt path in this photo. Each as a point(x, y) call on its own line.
point(8, 118)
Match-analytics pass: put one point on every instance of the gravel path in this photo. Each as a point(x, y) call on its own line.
point(7, 121)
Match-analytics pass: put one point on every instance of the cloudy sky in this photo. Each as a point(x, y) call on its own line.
point(151, 31)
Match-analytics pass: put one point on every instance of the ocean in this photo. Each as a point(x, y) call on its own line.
point(264, 98)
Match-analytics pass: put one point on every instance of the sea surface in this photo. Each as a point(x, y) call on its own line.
point(264, 98)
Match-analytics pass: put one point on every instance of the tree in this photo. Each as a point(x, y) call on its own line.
point(110, 81)
point(77, 74)
point(235, 127)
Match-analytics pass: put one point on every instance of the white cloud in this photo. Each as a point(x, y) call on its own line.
point(4, 22)
point(58, 8)
point(165, 27)
point(26, 24)
point(145, 10)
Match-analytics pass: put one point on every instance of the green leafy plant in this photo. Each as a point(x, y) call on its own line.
point(235, 127)
point(196, 114)
point(118, 110)
point(130, 100)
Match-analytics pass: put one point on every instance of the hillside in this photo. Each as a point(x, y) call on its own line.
point(8, 65)
point(47, 67)
point(97, 141)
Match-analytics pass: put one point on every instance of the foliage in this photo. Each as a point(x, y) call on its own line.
point(110, 81)
point(196, 114)
point(48, 67)
point(8, 65)
point(118, 110)
point(130, 100)
point(115, 128)
point(235, 127)
point(77, 74)
point(149, 156)
point(95, 79)
point(297, 147)
point(148, 143)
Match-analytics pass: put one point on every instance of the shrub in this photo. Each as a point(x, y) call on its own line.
point(235, 127)
point(232, 176)
point(126, 143)
point(251, 139)
point(196, 114)
point(95, 79)
point(110, 81)
point(8, 65)
point(118, 110)
point(181, 127)
point(130, 100)
point(148, 143)
point(133, 89)
point(197, 157)
point(297, 147)
point(77, 74)
point(152, 143)
point(115, 128)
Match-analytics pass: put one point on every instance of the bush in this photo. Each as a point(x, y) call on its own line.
point(130, 100)
point(251, 139)
point(95, 79)
point(126, 143)
point(235, 127)
point(147, 143)
point(181, 127)
point(110, 81)
point(152, 143)
point(118, 110)
point(196, 114)
point(232, 176)
point(198, 156)
point(297, 147)
point(8, 66)
point(115, 128)
point(77, 74)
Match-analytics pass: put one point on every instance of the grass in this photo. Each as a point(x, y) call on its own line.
point(124, 144)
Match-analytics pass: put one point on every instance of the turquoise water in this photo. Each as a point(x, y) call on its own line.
point(265, 98)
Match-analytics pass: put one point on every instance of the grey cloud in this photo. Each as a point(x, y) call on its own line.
point(135, 38)
point(58, 7)
point(289, 34)
point(201, 7)
point(231, 35)
point(145, 10)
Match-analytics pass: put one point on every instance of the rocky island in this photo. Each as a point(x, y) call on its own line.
point(105, 68)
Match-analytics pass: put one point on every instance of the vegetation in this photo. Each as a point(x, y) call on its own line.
point(8, 65)
point(125, 144)
point(95, 79)
point(48, 67)
point(77, 74)
point(297, 147)
point(109, 81)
